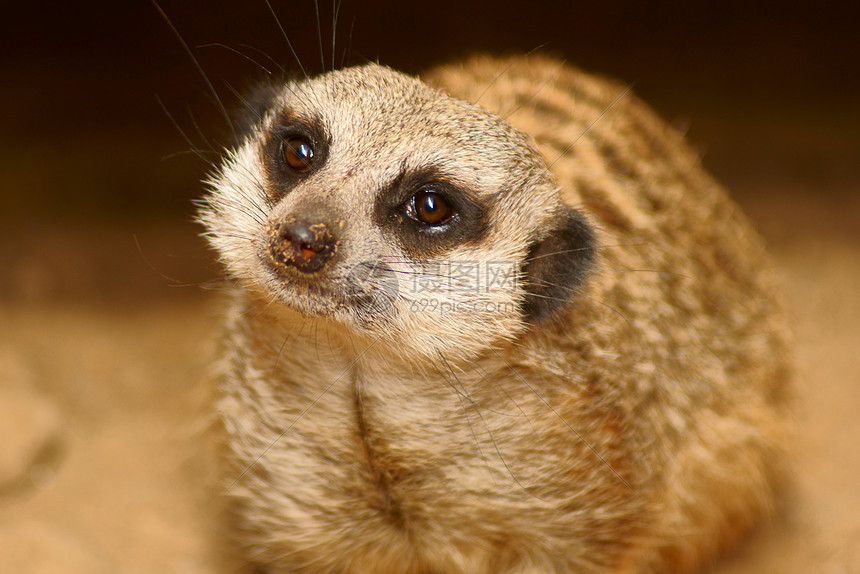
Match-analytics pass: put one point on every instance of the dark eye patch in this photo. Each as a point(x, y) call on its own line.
point(295, 148)
point(457, 216)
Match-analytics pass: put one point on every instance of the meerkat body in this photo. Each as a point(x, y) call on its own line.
point(442, 355)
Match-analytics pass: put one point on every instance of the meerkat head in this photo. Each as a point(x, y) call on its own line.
point(365, 197)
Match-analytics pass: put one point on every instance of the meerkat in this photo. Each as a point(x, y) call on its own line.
point(495, 319)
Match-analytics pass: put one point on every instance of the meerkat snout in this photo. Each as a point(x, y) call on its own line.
point(301, 245)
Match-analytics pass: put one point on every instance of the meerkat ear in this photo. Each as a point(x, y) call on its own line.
point(558, 266)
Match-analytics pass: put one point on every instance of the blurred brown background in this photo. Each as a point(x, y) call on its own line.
point(105, 325)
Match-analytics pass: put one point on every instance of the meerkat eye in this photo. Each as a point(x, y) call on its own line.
point(430, 208)
point(298, 153)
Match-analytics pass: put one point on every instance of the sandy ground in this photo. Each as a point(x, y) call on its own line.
point(103, 407)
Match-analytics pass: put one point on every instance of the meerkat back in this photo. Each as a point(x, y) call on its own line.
point(501, 321)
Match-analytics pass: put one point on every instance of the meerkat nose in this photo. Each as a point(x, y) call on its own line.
point(300, 245)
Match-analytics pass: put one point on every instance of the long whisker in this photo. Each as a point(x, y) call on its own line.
point(287, 38)
point(198, 66)
point(477, 409)
point(462, 393)
point(319, 33)
point(591, 125)
point(335, 12)
point(562, 419)
point(238, 53)
point(194, 148)
point(347, 54)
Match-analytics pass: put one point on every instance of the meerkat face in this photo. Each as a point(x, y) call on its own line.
point(366, 197)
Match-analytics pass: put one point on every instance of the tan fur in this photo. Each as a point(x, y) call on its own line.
point(639, 429)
